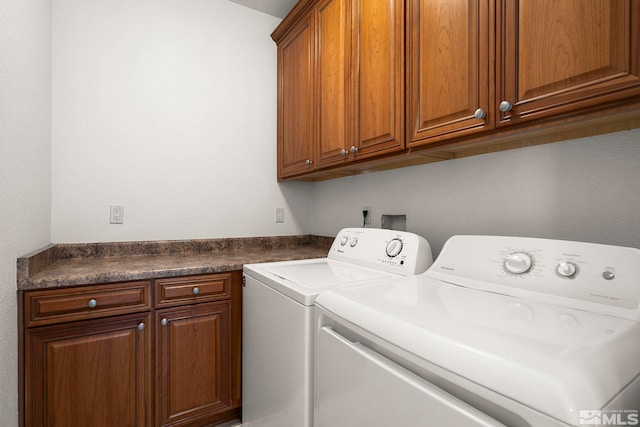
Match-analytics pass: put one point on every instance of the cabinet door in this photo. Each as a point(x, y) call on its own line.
point(295, 101)
point(92, 373)
point(448, 69)
point(560, 56)
point(378, 84)
point(332, 92)
point(192, 363)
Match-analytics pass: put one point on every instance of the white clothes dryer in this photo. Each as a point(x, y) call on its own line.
point(500, 331)
point(278, 298)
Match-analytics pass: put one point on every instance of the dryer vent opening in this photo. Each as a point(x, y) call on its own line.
point(394, 222)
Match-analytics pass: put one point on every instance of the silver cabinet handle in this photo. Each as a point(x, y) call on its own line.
point(141, 326)
point(92, 303)
point(308, 162)
point(505, 106)
point(479, 114)
point(164, 321)
point(196, 290)
point(343, 152)
point(354, 149)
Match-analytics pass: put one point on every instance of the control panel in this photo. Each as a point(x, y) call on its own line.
point(598, 278)
point(394, 251)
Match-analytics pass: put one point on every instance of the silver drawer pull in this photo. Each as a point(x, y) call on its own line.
point(141, 326)
point(92, 303)
point(164, 321)
point(196, 290)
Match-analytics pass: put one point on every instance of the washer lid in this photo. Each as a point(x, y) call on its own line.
point(303, 280)
point(323, 274)
point(553, 359)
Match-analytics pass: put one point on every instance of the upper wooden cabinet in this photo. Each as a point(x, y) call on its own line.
point(559, 57)
point(554, 58)
point(313, 72)
point(332, 18)
point(477, 76)
point(378, 76)
point(449, 64)
point(340, 83)
point(295, 100)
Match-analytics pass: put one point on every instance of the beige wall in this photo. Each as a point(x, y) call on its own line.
point(25, 166)
point(583, 189)
point(168, 108)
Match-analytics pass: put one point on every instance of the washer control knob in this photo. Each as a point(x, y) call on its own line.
point(518, 263)
point(344, 241)
point(566, 269)
point(394, 247)
point(354, 242)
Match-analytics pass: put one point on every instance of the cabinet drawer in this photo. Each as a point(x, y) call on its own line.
point(191, 289)
point(85, 302)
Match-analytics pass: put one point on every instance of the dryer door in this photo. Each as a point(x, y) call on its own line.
point(359, 387)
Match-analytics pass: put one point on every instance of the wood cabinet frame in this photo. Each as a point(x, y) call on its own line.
point(447, 82)
point(127, 327)
point(52, 395)
point(340, 84)
point(544, 111)
point(600, 73)
point(201, 335)
point(296, 110)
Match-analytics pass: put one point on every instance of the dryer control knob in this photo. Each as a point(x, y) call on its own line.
point(394, 247)
point(566, 269)
point(354, 242)
point(517, 263)
point(344, 241)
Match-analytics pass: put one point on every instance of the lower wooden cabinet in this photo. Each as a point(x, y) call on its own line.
point(192, 361)
point(91, 373)
point(174, 363)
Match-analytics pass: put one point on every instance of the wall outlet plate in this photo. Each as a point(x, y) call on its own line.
point(116, 215)
point(279, 214)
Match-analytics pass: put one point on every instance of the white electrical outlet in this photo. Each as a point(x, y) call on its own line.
point(367, 219)
point(279, 214)
point(116, 215)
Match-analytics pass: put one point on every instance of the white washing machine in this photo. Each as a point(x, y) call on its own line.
point(500, 331)
point(278, 298)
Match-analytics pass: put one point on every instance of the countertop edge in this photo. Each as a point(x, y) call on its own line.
point(47, 269)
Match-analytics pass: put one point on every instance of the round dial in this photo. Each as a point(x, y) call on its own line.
point(394, 247)
point(566, 269)
point(354, 242)
point(344, 241)
point(518, 263)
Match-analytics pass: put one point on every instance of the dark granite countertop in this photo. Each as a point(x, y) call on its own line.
point(64, 265)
